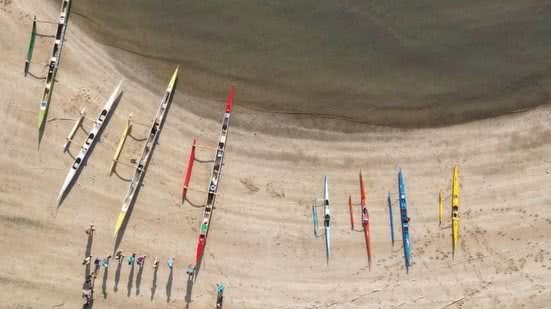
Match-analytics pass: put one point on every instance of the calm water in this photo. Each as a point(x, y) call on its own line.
point(389, 62)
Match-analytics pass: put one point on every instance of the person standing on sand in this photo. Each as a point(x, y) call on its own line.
point(170, 262)
point(105, 262)
point(131, 259)
point(190, 270)
point(119, 256)
point(155, 264)
point(141, 260)
point(90, 230)
point(86, 296)
point(219, 294)
point(87, 260)
point(97, 262)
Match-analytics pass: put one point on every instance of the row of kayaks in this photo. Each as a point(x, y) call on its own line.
point(404, 218)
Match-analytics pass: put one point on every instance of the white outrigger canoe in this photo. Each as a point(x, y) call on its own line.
point(86, 148)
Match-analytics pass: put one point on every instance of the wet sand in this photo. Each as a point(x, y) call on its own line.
point(261, 243)
point(386, 63)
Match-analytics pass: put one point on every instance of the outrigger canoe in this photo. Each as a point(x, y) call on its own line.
point(152, 139)
point(214, 181)
point(89, 143)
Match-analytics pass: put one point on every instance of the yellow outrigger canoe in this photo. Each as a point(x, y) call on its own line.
point(455, 208)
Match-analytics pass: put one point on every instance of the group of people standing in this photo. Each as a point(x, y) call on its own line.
point(119, 257)
point(99, 262)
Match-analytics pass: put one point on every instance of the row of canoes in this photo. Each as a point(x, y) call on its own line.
point(94, 135)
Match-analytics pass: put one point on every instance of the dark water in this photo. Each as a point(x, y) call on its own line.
point(402, 63)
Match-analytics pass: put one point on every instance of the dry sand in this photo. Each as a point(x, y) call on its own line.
point(261, 243)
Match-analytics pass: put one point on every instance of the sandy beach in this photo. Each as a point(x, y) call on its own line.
point(261, 242)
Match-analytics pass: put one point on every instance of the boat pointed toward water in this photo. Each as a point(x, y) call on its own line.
point(53, 66)
point(391, 218)
point(327, 219)
point(365, 220)
point(149, 146)
point(89, 143)
point(404, 220)
point(214, 181)
point(455, 209)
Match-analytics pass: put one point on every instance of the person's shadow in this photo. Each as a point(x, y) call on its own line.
point(169, 286)
point(88, 253)
point(117, 276)
point(104, 283)
point(139, 279)
point(189, 289)
point(130, 280)
point(89, 285)
point(154, 285)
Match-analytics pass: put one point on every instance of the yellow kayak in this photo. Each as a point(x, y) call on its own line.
point(455, 208)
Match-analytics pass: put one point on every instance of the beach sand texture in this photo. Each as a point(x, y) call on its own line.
point(261, 242)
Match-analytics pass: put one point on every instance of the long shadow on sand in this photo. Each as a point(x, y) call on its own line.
point(104, 282)
point(154, 284)
point(169, 285)
point(139, 279)
point(189, 290)
point(117, 276)
point(88, 253)
point(130, 281)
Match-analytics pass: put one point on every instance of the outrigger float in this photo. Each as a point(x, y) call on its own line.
point(365, 220)
point(351, 212)
point(90, 141)
point(315, 218)
point(78, 122)
point(152, 140)
point(327, 219)
point(455, 209)
point(214, 181)
point(125, 133)
point(53, 64)
point(391, 218)
point(189, 169)
point(404, 220)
